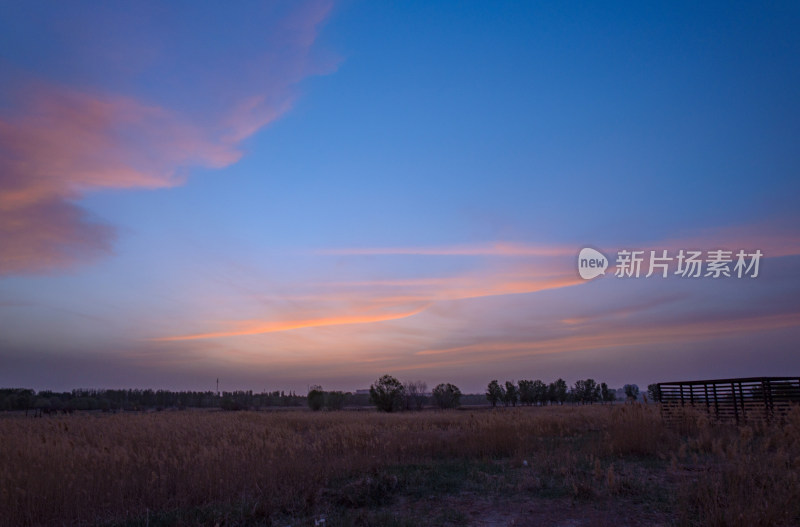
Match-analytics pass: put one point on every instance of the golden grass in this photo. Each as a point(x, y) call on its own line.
point(96, 469)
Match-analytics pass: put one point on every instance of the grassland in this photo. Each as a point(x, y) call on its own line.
point(571, 466)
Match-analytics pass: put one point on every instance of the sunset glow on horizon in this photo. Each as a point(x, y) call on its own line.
point(297, 193)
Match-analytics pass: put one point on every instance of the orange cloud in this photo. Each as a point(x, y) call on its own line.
point(549, 270)
point(359, 301)
point(255, 327)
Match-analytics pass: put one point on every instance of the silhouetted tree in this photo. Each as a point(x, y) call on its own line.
point(447, 396)
point(494, 392)
point(557, 391)
point(631, 391)
point(654, 392)
point(316, 398)
point(511, 395)
point(387, 394)
point(539, 392)
point(586, 391)
point(415, 395)
point(606, 395)
point(526, 392)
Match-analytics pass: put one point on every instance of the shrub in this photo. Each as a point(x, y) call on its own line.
point(316, 399)
point(334, 400)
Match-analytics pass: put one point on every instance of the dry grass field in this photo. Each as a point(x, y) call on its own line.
point(569, 466)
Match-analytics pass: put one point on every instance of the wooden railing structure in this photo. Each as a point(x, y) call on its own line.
point(732, 400)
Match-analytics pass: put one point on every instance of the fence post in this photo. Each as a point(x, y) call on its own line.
point(716, 401)
point(741, 401)
point(766, 389)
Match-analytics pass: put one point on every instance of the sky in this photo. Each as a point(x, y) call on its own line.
point(283, 194)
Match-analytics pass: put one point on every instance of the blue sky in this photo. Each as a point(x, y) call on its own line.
point(320, 193)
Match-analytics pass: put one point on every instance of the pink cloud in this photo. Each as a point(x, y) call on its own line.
point(59, 142)
point(49, 234)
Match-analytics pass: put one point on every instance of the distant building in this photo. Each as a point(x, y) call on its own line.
point(363, 391)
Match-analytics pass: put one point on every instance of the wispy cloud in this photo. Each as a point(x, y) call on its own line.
point(611, 336)
point(489, 282)
point(507, 249)
point(774, 237)
point(363, 302)
point(257, 327)
point(482, 309)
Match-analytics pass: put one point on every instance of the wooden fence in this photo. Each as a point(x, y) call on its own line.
point(732, 400)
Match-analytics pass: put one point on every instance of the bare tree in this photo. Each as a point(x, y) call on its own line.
point(415, 397)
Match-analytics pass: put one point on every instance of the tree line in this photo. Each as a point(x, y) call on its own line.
point(47, 401)
point(386, 394)
point(536, 392)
